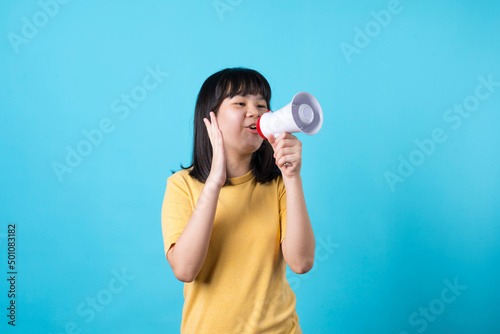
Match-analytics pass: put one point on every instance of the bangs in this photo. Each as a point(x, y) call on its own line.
point(242, 81)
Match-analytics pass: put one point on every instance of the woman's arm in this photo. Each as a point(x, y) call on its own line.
point(298, 246)
point(188, 254)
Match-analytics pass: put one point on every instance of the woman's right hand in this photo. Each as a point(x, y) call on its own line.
point(218, 170)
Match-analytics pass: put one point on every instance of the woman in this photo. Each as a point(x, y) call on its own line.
point(233, 219)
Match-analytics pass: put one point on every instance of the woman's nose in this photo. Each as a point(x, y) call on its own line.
point(253, 111)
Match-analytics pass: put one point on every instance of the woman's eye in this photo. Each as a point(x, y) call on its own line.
point(262, 106)
point(241, 103)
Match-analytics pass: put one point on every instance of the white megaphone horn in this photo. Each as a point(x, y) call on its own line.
point(302, 114)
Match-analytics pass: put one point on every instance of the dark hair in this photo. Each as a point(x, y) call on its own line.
point(229, 83)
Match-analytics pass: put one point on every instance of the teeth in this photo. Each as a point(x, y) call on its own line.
point(253, 127)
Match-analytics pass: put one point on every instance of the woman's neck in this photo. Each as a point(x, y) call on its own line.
point(238, 166)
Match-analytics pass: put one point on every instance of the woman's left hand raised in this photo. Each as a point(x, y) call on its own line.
point(288, 153)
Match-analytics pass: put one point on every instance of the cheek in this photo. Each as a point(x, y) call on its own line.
point(230, 125)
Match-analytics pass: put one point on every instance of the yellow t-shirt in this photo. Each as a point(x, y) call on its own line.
point(242, 286)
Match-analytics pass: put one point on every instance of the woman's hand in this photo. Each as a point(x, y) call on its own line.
point(218, 170)
point(288, 154)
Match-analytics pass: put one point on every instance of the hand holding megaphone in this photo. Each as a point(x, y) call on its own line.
point(302, 114)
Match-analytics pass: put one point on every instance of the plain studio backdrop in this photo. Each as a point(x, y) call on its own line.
point(402, 182)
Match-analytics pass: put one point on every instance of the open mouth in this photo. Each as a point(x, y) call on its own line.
point(253, 127)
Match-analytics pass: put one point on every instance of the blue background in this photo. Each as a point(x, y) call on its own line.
point(385, 250)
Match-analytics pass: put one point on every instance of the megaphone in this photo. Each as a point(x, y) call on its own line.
point(302, 114)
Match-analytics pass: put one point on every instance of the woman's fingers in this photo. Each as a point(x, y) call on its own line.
point(293, 158)
point(218, 168)
point(213, 118)
point(286, 146)
point(217, 141)
point(287, 153)
point(284, 139)
point(213, 130)
point(209, 128)
point(271, 140)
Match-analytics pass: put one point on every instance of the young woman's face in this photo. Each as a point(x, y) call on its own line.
point(237, 118)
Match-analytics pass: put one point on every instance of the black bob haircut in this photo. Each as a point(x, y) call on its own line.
point(229, 83)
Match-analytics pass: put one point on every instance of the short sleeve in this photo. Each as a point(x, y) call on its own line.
point(176, 210)
point(282, 208)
